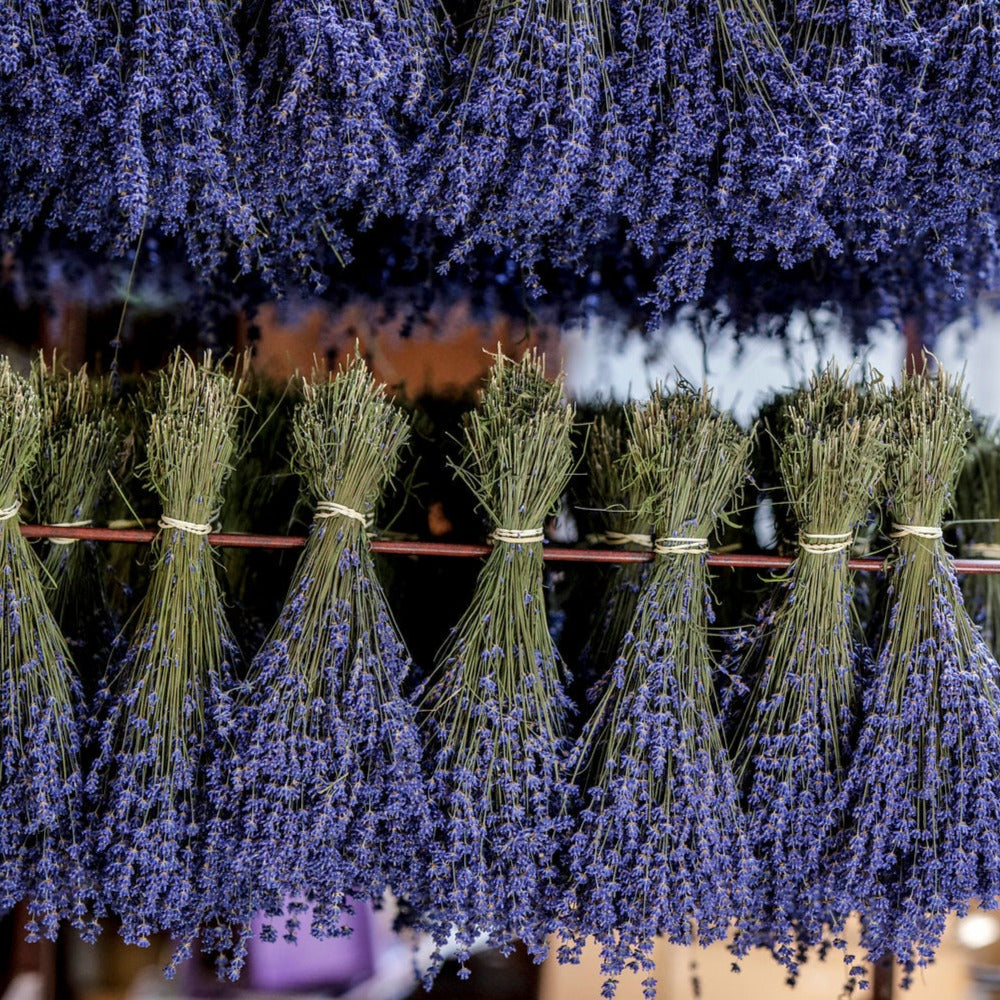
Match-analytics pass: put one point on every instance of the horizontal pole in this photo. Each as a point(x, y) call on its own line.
point(553, 553)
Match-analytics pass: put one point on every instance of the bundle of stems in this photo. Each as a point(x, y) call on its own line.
point(659, 846)
point(43, 860)
point(329, 792)
point(624, 526)
point(797, 669)
point(977, 510)
point(495, 708)
point(925, 779)
point(80, 438)
point(163, 712)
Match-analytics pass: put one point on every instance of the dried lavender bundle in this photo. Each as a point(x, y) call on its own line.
point(925, 778)
point(79, 447)
point(797, 671)
point(659, 848)
point(624, 526)
point(164, 711)
point(329, 791)
point(496, 708)
point(977, 509)
point(43, 860)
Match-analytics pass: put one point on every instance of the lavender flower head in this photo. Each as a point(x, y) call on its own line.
point(795, 701)
point(43, 860)
point(660, 845)
point(496, 707)
point(164, 711)
point(328, 793)
point(925, 780)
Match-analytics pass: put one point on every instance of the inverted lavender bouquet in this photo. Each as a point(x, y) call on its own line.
point(328, 794)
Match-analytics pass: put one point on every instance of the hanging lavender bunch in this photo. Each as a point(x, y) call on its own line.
point(329, 793)
point(164, 709)
point(925, 779)
point(659, 847)
point(151, 99)
point(341, 88)
point(496, 707)
point(513, 137)
point(619, 510)
point(977, 507)
point(79, 447)
point(797, 672)
point(43, 860)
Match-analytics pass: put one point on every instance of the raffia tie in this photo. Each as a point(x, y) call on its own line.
point(675, 545)
point(68, 524)
point(330, 508)
point(191, 527)
point(6, 513)
point(917, 530)
point(820, 544)
point(625, 538)
point(517, 536)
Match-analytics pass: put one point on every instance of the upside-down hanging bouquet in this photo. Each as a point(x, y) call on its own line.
point(328, 791)
point(924, 783)
point(495, 707)
point(799, 668)
point(164, 711)
point(43, 850)
point(659, 844)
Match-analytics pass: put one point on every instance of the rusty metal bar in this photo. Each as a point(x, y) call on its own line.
point(553, 553)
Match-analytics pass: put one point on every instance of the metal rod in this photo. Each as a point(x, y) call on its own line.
point(553, 553)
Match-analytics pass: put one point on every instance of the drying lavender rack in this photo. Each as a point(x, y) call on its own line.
point(552, 553)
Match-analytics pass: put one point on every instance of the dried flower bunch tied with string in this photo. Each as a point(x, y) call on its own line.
point(43, 860)
point(618, 507)
point(164, 713)
point(659, 845)
point(925, 779)
point(798, 670)
point(977, 508)
point(79, 447)
point(496, 708)
point(328, 786)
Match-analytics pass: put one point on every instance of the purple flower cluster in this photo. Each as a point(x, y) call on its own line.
point(842, 137)
point(161, 838)
point(327, 789)
point(925, 781)
point(43, 856)
point(498, 771)
point(660, 849)
point(790, 745)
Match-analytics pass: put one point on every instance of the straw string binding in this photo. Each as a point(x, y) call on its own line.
point(6, 513)
point(821, 544)
point(191, 527)
point(916, 530)
point(86, 522)
point(330, 508)
point(676, 545)
point(515, 536)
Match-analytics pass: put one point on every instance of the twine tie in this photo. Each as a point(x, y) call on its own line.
point(917, 530)
point(983, 550)
point(515, 536)
point(820, 544)
point(330, 508)
point(191, 527)
point(68, 524)
point(675, 545)
point(625, 538)
point(6, 513)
